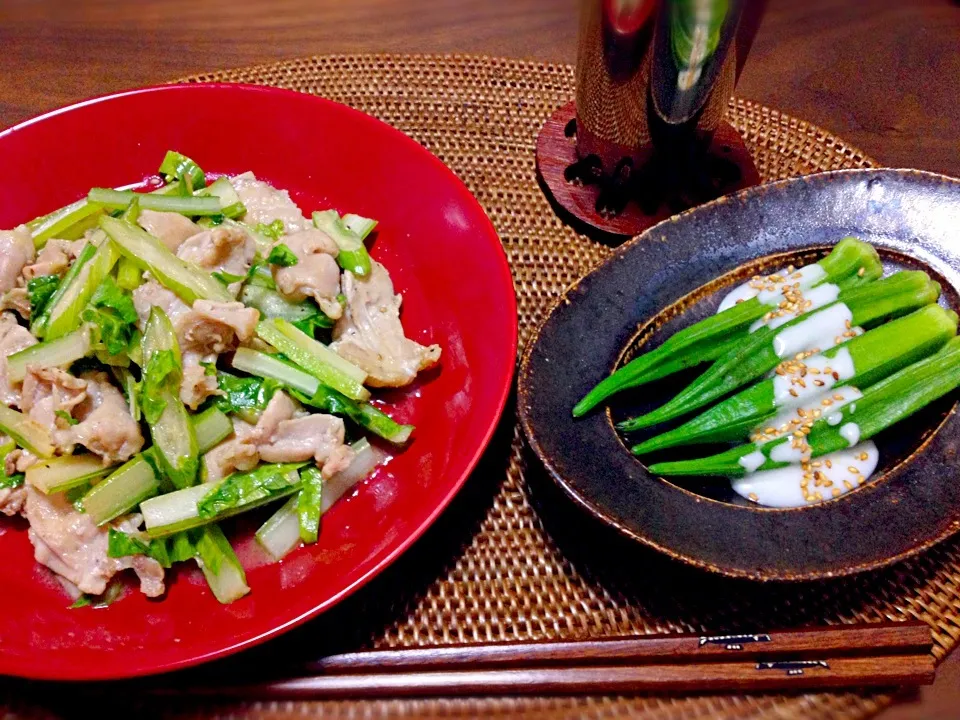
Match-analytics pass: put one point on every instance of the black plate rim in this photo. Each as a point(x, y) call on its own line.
point(601, 514)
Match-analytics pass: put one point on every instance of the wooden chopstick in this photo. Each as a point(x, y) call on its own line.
point(888, 670)
point(881, 654)
point(865, 639)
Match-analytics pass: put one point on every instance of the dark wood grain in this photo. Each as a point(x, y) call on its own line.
point(884, 671)
point(879, 73)
point(875, 639)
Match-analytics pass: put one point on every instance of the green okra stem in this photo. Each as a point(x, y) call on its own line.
point(851, 263)
point(764, 349)
point(873, 355)
point(888, 402)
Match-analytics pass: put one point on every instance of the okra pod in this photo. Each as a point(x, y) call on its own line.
point(763, 350)
point(851, 263)
point(888, 402)
point(775, 405)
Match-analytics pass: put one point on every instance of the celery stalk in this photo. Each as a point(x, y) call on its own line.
point(309, 391)
point(204, 504)
point(26, 431)
point(52, 353)
point(185, 205)
point(65, 473)
point(129, 275)
point(314, 357)
point(230, 204)
point(174, 438)
point(280, 534)
point(186, 280)
point(38, 324)
point(353, 256)
point(220, 566)
point(67, 223)
point(65, 311)
point(267, 366)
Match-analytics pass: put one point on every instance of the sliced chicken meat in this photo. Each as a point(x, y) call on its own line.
point(18, 301)
point(49, 397)
point(235, 315)
point(106, 426)
point(168, 227)
point(284, 433)
point(54, 259)
point(69, 543)
point(13, 339)
point(370, 334)
point(17, 461)
point(266, 203)
point(227, 249)
point(197, 384)
point(316, 273)
point(236, 454)
point(12, 500)
point(16, 250)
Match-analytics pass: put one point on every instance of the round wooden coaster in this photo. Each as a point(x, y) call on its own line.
point(629, 205)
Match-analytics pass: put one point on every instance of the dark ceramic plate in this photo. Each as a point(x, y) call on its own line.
point(673, 275)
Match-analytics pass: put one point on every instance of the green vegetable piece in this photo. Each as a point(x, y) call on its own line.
point(121, 544)
point(230, 204)
point(869, 305)
point(228, 278)
point(67, 223)
point(875, 355)
point(309, 503)
point(190, 205)
point(353, 255)
point(282, 255)
point(129, 276)
point(67, 309)
point(274, 230)
point(176, 167)
point(183, 278)
point(27, 432)
point(53, 353)
point(850, 264)
point(39, 291)
point(112, 311)
point(315, 358)
point(174, 438)
point(250, 489)
point(308, 390)
point(888, 402)
point(280, 534)
point(220, 565)
point(246, 397)
point(69, 282)
point(305, 315)
point(136, 481)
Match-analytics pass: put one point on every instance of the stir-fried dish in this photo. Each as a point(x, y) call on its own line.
point(807, 366)
point(175, 357)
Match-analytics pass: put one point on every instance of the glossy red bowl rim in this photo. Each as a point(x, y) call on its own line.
point(486, 230)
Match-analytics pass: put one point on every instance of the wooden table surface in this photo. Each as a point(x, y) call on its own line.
point(882, 74)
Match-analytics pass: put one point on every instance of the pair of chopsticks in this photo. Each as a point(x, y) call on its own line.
point(885, 654)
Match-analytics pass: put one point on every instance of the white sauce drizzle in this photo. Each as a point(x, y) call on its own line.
point(790, 418)
point(814, 298)
point(784, 487)
point(752, 461)
point(851, 433)
point(806, 277)
point(817, 331)
point(814, 377)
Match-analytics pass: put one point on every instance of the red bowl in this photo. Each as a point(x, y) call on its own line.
point(446, 260)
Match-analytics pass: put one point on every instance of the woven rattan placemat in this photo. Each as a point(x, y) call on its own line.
point(496, 567)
